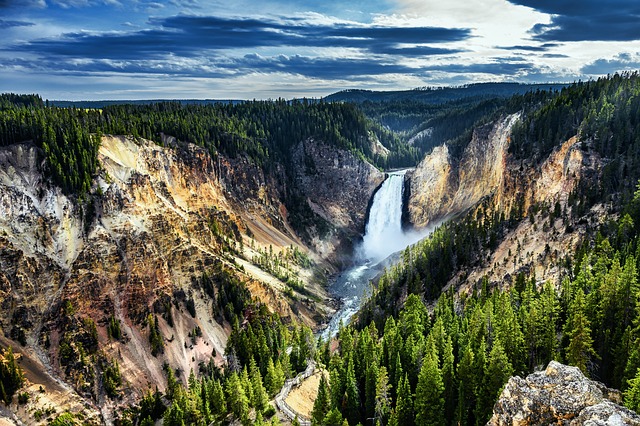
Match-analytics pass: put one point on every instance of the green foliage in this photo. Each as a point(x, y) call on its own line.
point(65, 419)
point(322, 403)
point(264, 131)
point(281, 265)
point(578, 330)
point(632, 394)
point(23, 398)
point(11, 375)
point(11, 100)
point(333, 418)
point(155, 336)
point(111, 379)
point(236, 397)
point(603, 114)
point(151, 406)
point(429, 401)
point(460, 350)
point(113, 328)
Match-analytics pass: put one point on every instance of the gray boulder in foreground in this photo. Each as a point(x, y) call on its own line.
point(560, 395)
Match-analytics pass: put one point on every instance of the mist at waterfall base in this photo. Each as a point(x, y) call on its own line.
point(383, 237)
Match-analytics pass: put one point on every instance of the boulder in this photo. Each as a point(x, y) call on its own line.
point(559, 395)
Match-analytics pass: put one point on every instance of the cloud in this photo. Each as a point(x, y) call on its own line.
point(499, 67)
point(586, 20)
point(185, 3)
point(6, 4)
point(69, 4)
point(321, 68)
point(11, 24)
point(541, 48)
point(191, 36)
point(621, 62)
point(219, 67)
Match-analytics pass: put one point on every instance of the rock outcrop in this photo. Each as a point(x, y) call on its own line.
point(442, 185)
point(559, 395)
point(337, 185)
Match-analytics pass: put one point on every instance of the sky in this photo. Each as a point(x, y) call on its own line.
point(265, 49)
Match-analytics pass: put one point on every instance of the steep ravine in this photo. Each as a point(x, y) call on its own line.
point(157, 219)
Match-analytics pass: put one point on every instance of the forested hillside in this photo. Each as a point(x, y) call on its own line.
point(427, 118)
point(263, 131)
point(417, 356)
point(441, 95)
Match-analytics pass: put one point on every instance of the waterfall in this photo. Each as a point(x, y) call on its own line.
point(383, 233)
point(383, 237)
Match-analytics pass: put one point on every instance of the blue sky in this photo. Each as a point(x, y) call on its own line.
point(139, 49)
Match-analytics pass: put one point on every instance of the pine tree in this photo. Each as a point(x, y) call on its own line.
point(172, 383)
point(270, 379)
point(578, 329)
point(259, 421)
point(11, 375)
point(246, 385)
point(383, 396)
point(259, 393)
point(404, 404)
point(429, 400)
point(174, 416)
point(148, 421)
point(352, 395)
point(466, 388)
point(479, 371)
point(237, 399)
point(333, 418)
point(322, 403)
point(371, 381)
point(336, 388)
point(449, 379)
point(632, 394)
point(217, 401)
point(508, 329)
point(497, 372)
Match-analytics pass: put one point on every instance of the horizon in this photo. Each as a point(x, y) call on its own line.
point(191, 49)
point(348, 90)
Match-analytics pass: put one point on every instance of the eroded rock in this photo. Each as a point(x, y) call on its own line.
point(559, 395)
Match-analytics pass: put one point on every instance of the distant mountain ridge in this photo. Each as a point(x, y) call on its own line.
point(430, 95)
point(109, 102)
point(438, 95)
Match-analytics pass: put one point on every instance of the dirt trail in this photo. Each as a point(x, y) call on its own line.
point(302, 398)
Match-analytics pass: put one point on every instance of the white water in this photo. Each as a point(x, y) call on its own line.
point(383, 234)
point(383, 237)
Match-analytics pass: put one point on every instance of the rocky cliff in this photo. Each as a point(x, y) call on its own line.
point(158, 220)
point(559, 395)
point(442, 185)
point(486, 177)
point(338, 188)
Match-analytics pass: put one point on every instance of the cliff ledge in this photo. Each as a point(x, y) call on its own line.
point(559, 395)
